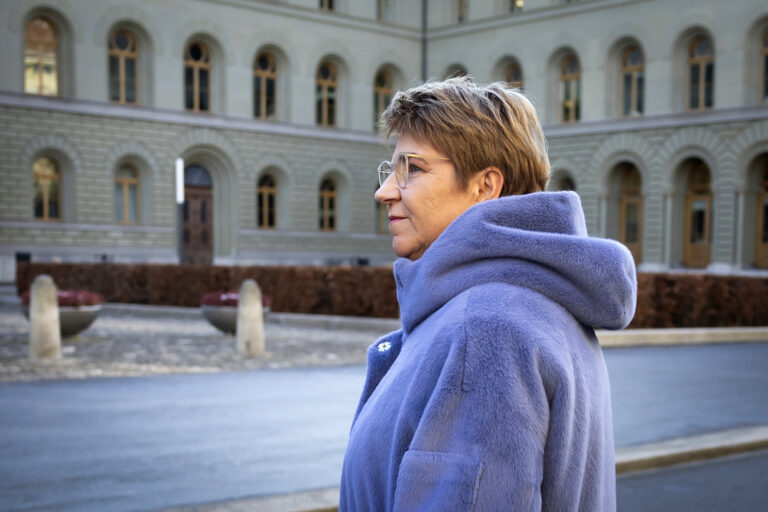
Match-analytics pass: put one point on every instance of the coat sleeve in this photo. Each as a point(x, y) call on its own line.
point(480, 443)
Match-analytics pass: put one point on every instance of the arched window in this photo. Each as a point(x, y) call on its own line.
point(197, 77)
point(267, 207)
point(325, 94)
point(698, 207)
point(41, 58)
point(384, 10)
point(123, 67)
point(631, 211)
point(126, 195)
point(461, 11)
point(47, 182)
point(565, 183)
point(264, 86)
point(513, 75)
point(701, 67)
point(328, 200)
point(328, 5)
point(765, 65)
point(455, 71)
point(761, 240)
point(632, 81)
point(383, 90)
point(515, 5)
point(570, 89)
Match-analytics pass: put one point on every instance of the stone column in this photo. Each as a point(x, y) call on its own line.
point(44, 331)
point(250, 320)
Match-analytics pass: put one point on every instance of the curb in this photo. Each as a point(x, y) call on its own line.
point(684, 336)
point(628, 459)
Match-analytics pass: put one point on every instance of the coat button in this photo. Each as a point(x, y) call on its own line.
point(384, 346)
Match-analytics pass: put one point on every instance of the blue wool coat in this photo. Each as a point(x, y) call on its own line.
point(494, 395)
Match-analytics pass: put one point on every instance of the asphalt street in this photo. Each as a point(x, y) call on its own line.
point(155, 442)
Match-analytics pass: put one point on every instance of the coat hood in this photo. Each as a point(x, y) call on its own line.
point(537, 241)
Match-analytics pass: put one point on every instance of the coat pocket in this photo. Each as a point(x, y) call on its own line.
point(436, 481)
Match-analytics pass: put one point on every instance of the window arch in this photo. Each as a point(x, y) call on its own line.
point(570, 89)
point(328, 205)
point(455, 71)
point(383, 90)
point(123, 67)
point(126, 195)
point(701, 73)
point(41, 57)
point(631, 210)
point(513, 75)
point(197, 77)
point(632, 81)
point(264, 86)
point(565, 183)
point(266, 216)
point(47, 189)
point(327, 84)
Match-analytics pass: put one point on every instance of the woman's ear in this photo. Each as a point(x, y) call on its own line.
point(487, 184)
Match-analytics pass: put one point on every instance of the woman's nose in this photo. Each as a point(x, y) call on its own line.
point(389, 191)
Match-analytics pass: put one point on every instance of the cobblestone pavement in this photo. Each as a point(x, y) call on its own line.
point(138, 343)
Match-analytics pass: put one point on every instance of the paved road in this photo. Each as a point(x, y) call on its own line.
point(156, 442)
point(728, 484)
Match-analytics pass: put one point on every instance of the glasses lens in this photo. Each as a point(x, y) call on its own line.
point(401, 169)
point(385, 169)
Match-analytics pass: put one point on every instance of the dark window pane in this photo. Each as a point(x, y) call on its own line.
point(257, 96)
point(640, 92)
point(189, 98)
point(765, 220)
point(698, 215)
point(186, 211)
point(270, 97)
point(114, 78)
point(627, 94)
point(331, 106)
point(39, 200)
point(53, 199)
point(118, 200)
point(331, 222)
point(319, 105)
point(260, 211)
point(694, 103)
point(203, 79)
point(204, 237)
point(204, 212)
point(130, 69)
point(331, 204)
point(708, 84)
point(631, 223)
point(186, 236)
point(195, 52)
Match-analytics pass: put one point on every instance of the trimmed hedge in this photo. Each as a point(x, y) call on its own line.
point(664, 300)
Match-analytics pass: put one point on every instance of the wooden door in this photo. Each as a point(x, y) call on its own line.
point(198, 225)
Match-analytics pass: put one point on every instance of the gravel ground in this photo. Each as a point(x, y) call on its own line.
point(142, 343)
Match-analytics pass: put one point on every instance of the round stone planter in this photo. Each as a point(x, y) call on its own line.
point(73, 319)
point(224, 318)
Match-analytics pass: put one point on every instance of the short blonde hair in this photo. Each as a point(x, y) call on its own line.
point(476, 126)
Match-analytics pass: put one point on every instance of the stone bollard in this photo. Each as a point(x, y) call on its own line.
point(250, 319)
point(44, 330)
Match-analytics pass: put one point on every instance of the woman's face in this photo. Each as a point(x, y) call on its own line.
point(430, 201)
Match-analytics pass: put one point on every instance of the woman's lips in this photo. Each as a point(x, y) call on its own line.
point(393, 220)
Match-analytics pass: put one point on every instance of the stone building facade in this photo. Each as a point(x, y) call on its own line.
point(656, 113)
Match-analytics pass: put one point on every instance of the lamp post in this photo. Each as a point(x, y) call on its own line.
point(180, 206)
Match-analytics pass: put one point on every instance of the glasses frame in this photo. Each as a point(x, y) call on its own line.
point(386, 169)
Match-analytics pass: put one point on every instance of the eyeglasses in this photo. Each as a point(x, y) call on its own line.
point(401, 167)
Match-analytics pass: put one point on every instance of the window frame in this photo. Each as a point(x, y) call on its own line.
point(38, 177)
point(40, 52)
point(263, 76)
point(636, 74)
point(569, 110)
point(382, 94)
point(509, 70)
point(264, 191)
point(204, 63)
point(329, 205)
point(323, 89)
point(125, 184)
point(701, 62)
point(122, 56)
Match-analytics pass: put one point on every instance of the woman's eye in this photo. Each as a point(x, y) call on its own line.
point(414, 168)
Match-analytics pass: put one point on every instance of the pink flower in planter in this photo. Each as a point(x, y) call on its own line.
point(71, 298)
point(228, 299)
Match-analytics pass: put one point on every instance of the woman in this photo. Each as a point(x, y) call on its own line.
point(494, 395)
